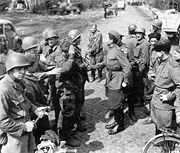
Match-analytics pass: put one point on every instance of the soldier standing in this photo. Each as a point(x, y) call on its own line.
point(166, 89)
point(95, 51)
point(49, 53)
point(117, 78)
point(15, 124)
point(75, 55)
point(140, 68)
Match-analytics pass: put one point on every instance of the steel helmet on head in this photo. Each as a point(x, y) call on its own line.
point(51, 34)
point(15, 60)
point(74, 34)
point(29, 43)
point(132, 27)
point(157, 23)
point(140, 30)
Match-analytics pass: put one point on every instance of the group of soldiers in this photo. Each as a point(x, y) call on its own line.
point(50, 75)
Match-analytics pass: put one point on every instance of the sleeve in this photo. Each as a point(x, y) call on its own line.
point(144, 57)
point(8, 124)
point(124, 63)
point(175, 73)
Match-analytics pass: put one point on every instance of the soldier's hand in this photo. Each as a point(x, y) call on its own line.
point(29, 126)
point(178, 117)
point(55, 71)
point(164, 97)
point(42, 58)
point(41, 111)
point(124, 85)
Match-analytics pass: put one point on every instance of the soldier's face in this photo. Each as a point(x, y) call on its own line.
point(78, 41)
point(139, 36)
point(18, 73)
point(52, 41)
point(177, 55)
point(153, 41)
point(159, 55)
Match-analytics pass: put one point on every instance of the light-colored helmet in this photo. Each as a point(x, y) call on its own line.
point(74, 34)
point(132, 27)
point(44, 33)
point(140, 30)
point(29, 43)
point(51, 34)
point(116, 34)
point(157, 23)
point(16, 60)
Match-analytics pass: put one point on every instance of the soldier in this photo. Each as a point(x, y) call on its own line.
point(43, 42)
point(118, 72)
point(166, 89)
point(131, 41)
point(95, 51)
point(153, 66)
point(49, 52)
point(105, 6)
point(157, 28)
point(15, 123)
point(75, 55)
point(67, 90)
point(140, 67)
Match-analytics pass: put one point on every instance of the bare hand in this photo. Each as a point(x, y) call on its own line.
point(124, 84)
point(29, 126)
point(164, 97)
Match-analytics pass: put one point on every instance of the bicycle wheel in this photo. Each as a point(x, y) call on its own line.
point(162, 144)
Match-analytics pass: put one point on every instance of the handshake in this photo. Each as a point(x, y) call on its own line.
point(97, 66)
point(40, 112)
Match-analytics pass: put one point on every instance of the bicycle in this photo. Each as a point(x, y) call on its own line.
point(166, 142)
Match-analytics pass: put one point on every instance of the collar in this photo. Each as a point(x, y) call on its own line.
point(16, 84)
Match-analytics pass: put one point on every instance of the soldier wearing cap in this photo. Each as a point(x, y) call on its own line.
point(118, 70)
point(167, 88)
point(140, 67)
point(95, 51)
point(15, 123)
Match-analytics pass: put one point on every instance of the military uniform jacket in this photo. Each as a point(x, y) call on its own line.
point(51, 54)
point(33, 90)
point(167, 81)
point(95, 43)
point(118, 68)
point(131, 43)
point(14, 107)
point(141, 54)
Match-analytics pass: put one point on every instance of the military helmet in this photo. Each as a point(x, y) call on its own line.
point(44, 33)
point(51, 34)
point(16, 60)
point(132, 27)
point(29, 43)
point(157, 23)
point(116, 34)
point(140, 30)
point(74, 34)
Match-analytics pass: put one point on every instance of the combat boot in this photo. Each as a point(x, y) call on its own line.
point(119, 118)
